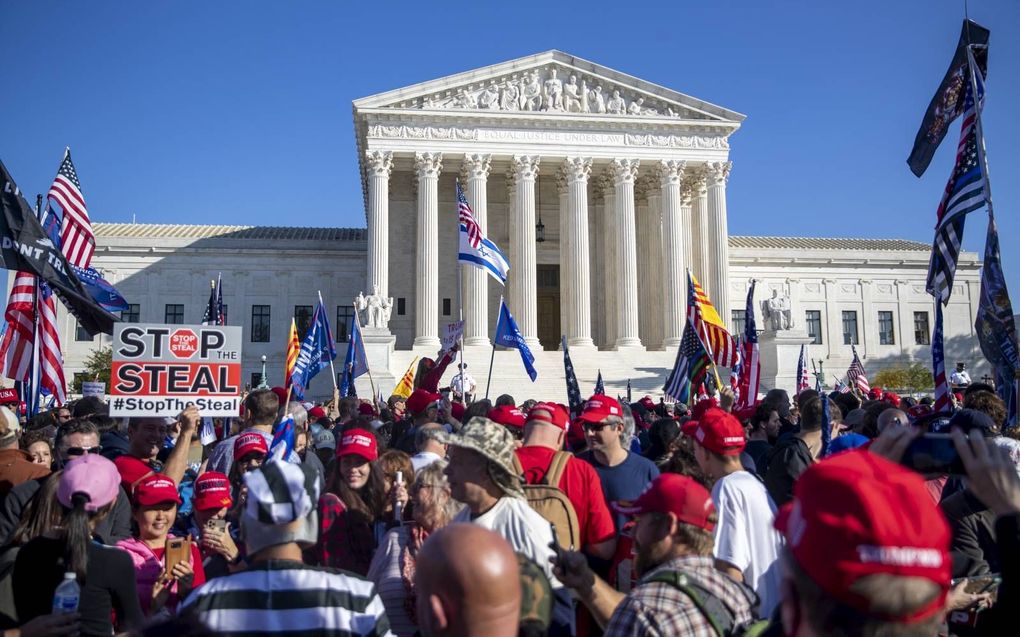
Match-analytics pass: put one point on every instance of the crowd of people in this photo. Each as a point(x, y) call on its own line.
point(827, 514)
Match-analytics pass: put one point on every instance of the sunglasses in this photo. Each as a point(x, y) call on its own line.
point(594, 426)
point(81, 451)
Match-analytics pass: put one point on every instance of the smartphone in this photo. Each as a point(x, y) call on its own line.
point(933, 453)
point(177, 550)
point(218, 524)
point(980, 584)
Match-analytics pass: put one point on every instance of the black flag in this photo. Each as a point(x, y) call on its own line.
point(574, 399)
point(947, 104)
point(24, 245)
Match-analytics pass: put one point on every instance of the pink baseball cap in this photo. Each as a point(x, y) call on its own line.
point(91, 475)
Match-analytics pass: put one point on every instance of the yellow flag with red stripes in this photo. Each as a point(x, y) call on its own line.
point(293, 347)
point(406, 384)
point(709, 325)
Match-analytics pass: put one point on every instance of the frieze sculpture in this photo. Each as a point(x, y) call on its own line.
point(777, 312)
point(543, 90)
point(375, 308)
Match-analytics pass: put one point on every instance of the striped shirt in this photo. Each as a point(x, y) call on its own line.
point(287, 597)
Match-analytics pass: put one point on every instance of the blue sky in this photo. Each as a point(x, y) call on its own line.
point(239, 112)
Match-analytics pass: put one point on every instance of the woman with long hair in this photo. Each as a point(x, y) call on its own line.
point(87, 491)
point(161, 586)
point(392, 568)
point(352, 506)
point(389, 466)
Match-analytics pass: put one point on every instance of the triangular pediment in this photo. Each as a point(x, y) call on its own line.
point(549, 83)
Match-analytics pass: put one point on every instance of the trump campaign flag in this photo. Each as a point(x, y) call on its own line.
point(508, 335)
point(283, 439)
point(317, 351)
point(356, 361)
point(474, 248)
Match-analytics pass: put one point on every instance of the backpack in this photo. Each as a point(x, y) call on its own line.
point(551, 503)
point(718, 614)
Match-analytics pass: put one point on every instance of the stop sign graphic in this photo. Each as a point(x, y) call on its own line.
point(183, 343)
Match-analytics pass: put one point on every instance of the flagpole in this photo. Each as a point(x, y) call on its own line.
point(460, 308)
point(492, 357)
point(332, 368)
point(708, 350)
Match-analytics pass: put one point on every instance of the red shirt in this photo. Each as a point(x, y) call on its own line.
point(582, 487)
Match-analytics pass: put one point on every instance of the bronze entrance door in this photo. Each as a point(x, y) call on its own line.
point(548, 306)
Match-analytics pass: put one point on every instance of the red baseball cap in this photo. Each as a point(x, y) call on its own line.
point(358, 442)
point(856, 514)
point(212, 491)
point(249, 442)
point(131, 470)
point(550, 413)
point(155, 489)
point(599, 407)
point(648, 403)
point(718, 431)
point(365, 409)
point(673, 493)
point(875, 393)
point(281, 393)
point(892, 398)
point(419, 401)
point(702, 406)
point(316, 412)
point(457, 410)
point(508, 416)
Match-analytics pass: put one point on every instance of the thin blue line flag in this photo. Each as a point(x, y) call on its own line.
point(356, 362)
point(508, 335)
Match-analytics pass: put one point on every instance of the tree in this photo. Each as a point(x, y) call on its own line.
point(919, 378)
point(890, 378)
point(97, 368)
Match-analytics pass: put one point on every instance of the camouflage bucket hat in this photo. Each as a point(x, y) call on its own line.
point(495, 443)
point(536, 595)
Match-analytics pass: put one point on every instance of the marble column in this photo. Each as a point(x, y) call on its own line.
point(524, 304)
point(699, 229)
point(674, 251)
point(718, 235)
point(624, 174)
point(609, 238)
point(687, 229)
point(562, 188)
point(426, 319)
point(653, 242)
point(577, 171)
point(379, 165)
point(475, 281)
point(511, 248)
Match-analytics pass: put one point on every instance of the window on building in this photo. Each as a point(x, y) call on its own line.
point(886, 335)
point(303, 318)
point(850, 327)
point(132, 314)
point(344, 316)
point(737, 318)
point(447, 305)
point(174, 313)
point(813, 319)
point(401, 306)
point(260, 324)
point(922, 335)
point(80, 334)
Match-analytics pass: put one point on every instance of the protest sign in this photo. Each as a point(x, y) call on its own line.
point(452, 334)
point(93, 388)
point(159, 369)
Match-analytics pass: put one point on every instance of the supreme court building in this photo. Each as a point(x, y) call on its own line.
point(601, 189)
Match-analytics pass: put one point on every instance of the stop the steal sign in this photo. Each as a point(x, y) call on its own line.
point(159, 369)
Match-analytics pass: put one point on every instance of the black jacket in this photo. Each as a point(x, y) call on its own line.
point(787, 460)
point(973, 548)
point(114, 527)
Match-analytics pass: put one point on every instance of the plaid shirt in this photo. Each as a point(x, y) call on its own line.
point(662, 609)
point(346, 540)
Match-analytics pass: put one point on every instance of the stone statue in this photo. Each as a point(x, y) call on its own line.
point(553, 92)
point(777, 312)
point(508, 101)
point(598, 100)
point(616, 104)
point(635, 107)
point(489, 97)
point(376, 308)
point(466, 100)
point(585, 106)
point(573, 96)
point(531, 93)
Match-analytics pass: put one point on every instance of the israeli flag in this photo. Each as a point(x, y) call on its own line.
point(486, 256)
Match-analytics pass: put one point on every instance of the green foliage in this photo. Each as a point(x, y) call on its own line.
point(915, 378)
point(97, 368)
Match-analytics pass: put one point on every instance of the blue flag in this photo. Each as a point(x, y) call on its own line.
point(826, 424)
point(508, 335)
point(317, 351)
point(101, 290)
point(283, 439)
point(356, 362)
point(995, 326)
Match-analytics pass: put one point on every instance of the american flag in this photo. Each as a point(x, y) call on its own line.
point(943, 402)
point(689, 369)
point(466, 217)
point(711, 329)
point(23, 324)
point(803, 378)
point(51, 363)
point(214, 314)
point(574, 399)
point(736, 372)
point(965, 192)
point(76, 236)
point(856, 375)
point(750, 365)
point(841, 387)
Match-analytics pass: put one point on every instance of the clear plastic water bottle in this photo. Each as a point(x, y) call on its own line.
point(65, 599)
